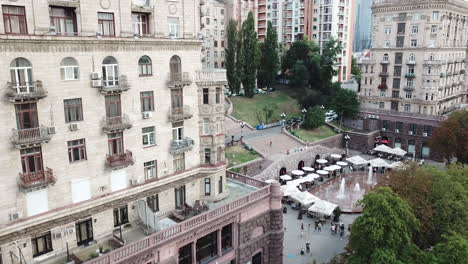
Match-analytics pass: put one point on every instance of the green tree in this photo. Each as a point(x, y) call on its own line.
point(249, 55)
point(328, 59)
point(299, 74)
point(314, 118)
point(453, 250)
point(345, 103)
point(269, 62)
point(231, 64)
point(383, 233)
point(450, 138)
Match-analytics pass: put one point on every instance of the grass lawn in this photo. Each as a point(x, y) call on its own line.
point(280, 100)
point(315, 134)
point(238, 154)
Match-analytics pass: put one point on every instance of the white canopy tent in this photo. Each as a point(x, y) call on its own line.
point(378, 162)
point(399, 152)
point(357, 160)
point(288, 190)
point(384, 148)
point(323, 207)
point(305, 198)
point(335, 156)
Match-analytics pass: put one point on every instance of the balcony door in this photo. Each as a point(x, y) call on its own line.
point(113, 106)
point(26, 116)
point(21, 75)
point(31, 161)
point(177, 101)
point(115, 141)
point(110, 72)
point(177, 131)
point(84, 232)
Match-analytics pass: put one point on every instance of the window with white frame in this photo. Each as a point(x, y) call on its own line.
point(381, 105)
point(387, 43)
point(174, 26)
point(179, 162)
point(415, 29)
point(409, 95)
point(148, 136)
point(434, 29)
point(388, 30)
point(407, 108)
point(410, 83)
point(69, 69)
point(177, 130)
point(206, 126)
point(150, 169)
point(207, 186)
point(414, 43)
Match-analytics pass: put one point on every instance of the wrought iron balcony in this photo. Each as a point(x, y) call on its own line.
point(179, 146)
point(119, 161)
point(408, 88)
point(410, 75)
point(30, 91)
point(116, 123)
point(36, 180)
point(383, 86)
point(28, 137)
point(179, 113)
point(111, 85)
point(176, 80)
point(383, 74)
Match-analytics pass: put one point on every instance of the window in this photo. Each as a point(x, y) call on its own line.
point(409, 95)
point(397, 143)
point(140, 22)
point(106, 25)
point(73, 110)
point(410, 83)
point(412, 128)
point(63, 20)
point(387, 43)
point(110, 72)
point(207, 156)
point(145, 67)
point(396, 83)
point(207, 247)
point(414, 29)
point(220, 181)
point(76, 150)
point(120, 216)
point(215, 43)
point(222, 33)
point(428, 130)
point(69, 69)
point(206, 126)
point(222, 43)
point(177, 131)
point(177, 100)
point(174, 27)
point(388, 18)
point(147, 101)
point(115, 144)
point(215, 54)
point(151, 169)
point(153, 203)
point(398, 58)
point(226, 238)
point(185, 254)
point(395, 94)
point(207, 186)
point(222, 54)
point(175, 68)
point(411, 70)
point(407, 108)
point(401, 28)
point(411, 146)
point(84, 232)
point(414, 43)
point(21, 75)
point(388, 30)
point(218, 95)
point(41, 244)
point(14, 20)
point(148, 136)
point(381, 105)
point(179, 162)
point(257, 258)
point(205, 96)
point(434, 29)
point(426, 151)
point(179, 196)
point(435, 15)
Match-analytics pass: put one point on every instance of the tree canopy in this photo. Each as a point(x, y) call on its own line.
point(314, 118)
point(450, 138)
point(249, 55)
point(345, 102)
point(231, 51)
point(269, 58)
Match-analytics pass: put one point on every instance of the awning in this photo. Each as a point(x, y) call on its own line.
point(357, 160)
point(378, 162)
point(384, 141)
point(288, 190)
point(323, 207)
point(384, 148)
point(305, 198)
point(398, 151)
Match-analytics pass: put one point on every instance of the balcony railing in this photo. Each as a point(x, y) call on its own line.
point(36, 180)
point(30, 136)
point(30, 91)
point(383, 86)
point(383, 74)
point(116, 123)
point(175, 80)
point(432, 62)
point(179, 113)
point(411, 62)
point(118, 161)
point(180, 146)
point(114, 85)
point(408, 88)
point(410, 75)
point(385, 62)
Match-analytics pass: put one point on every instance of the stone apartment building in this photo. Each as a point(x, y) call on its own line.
point(213, 28)
point(114, 141)
point(416, 71)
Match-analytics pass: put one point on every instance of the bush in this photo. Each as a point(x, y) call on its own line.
point(314, 118)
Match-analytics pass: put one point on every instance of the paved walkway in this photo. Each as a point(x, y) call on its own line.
point(323, 245)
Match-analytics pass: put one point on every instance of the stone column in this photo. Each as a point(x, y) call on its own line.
point(194, 252)
point(218, 238)
point(275, 247)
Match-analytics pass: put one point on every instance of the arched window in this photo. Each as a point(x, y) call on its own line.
point(69, 69)
point(21, 75)
point(175, 67)
point(385, 57)
point(145, 67)
point(412, 57)
point(110, 72)
point(431, 57)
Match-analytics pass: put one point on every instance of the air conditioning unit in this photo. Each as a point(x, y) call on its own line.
point(410, 132)
point(15, 216)
point(147, 115)
point(96, 83)
point(133, 182)
point(51, 130)
point(73, 127)
point(384, 129)
point(397, 130)
point(95, 75)
point(52, 30)
point(425, 134)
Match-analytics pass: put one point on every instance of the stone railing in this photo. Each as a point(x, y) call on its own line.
point(116, 123)
point(179, 113)
point(117, 161)
point(27, 136)
point(214, 75)
point(175, 80)
point(404, 114)
point(25, 91)
point(115, 85)
point(179, 146)
point(156, 239)
point(34, 180)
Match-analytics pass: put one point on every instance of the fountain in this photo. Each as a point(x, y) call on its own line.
point(369, 177)
point(341, 192)
point(357, 188)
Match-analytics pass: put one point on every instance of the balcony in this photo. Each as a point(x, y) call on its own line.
point(411, 62)
point(141, 6)
point(410, 75)
point(21, 92)
point(23, 138)
point(383, 74)
point(116, 123)
point(214, 75)
point(29, 182)
point(112, 85)
point(382, 86)
point(179, 114)
point(119, 161)
point(178, 80)
point(408, 88)
point(180, 146)
point(67, 3)
point(385, 62)
point(432, 62)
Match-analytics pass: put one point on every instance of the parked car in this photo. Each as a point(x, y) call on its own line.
point(271, 89)
point(328, 119)
point(259, 91)
point(331, 114)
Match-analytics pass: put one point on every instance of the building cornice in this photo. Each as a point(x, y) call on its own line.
point(386, 6)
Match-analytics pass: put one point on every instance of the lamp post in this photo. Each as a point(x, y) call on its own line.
point(346, 138)
point(283, 116)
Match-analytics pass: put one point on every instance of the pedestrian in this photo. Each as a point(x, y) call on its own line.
point(332, 229)
point(319, 227)
point(271, 143)
point(308, 247)
point(302, 227)
point(316, 224)
point(302, 251)
point(308, 228)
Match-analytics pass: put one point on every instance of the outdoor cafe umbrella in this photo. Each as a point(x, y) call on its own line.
point(342, 163)
point(289, 190)
point(297, 172)
point(311, 177)
point(384, 148)
point(285, 177)
point(357, 160)
point(378, 162)
point(323, 207)
point(322, 161)
point(307, 169)
point(322, 172)
point(335, 156)
point(398, 152)
point(304, 198)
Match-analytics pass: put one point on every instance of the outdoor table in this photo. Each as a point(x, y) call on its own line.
point(322, 161)
point(297, 172)
point(307, 169)
point(335, 156)
point(342, 163)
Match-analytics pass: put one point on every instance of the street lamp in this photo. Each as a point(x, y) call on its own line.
point(304, 112)
point(283, 116)
point(242, 125)
point(346, 138)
